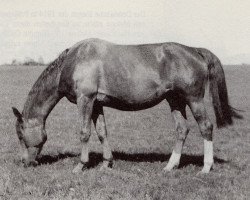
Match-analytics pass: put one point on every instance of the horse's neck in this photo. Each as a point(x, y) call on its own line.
point(42, 98)
point(40, 107)
point(44, 94)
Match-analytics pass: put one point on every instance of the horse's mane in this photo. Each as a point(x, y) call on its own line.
point(45, 83)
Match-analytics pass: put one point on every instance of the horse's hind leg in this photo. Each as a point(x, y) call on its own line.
point(100, 126)
point(177, 105)
point(85, 107)
point(198, 109)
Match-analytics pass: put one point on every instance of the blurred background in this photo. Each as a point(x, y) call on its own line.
point(40, 30)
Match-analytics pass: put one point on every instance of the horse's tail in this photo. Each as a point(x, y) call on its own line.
point(218, 90)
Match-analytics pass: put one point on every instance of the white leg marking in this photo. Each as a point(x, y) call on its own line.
point(78, 168)
point(173, 161)
point(208, 156)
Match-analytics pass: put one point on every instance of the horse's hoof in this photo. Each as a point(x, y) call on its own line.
point(106, 166)
point(169, 168)
point(202, 172)
point(33, 163)
point(166, 169)
point(79, 168)
point(205, 170)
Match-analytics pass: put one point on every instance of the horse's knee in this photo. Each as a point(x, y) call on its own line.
point(85, 135)
point(207, 130)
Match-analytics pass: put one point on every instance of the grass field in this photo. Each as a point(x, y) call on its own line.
point(141, 142)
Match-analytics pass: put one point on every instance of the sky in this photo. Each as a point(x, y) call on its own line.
point(44, 28)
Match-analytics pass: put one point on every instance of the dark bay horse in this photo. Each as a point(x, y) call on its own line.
point(96, 73)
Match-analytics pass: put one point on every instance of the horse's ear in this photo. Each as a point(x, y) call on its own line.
point(17, 114)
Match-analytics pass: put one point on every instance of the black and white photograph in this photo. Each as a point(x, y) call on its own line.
point(124, 100)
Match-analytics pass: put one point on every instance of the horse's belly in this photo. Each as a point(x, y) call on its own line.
point(136, 100)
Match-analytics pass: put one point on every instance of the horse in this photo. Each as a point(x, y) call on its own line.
point(95, 73)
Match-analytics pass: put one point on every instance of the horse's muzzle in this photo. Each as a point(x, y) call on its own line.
point(29, 156)
point(29, 163)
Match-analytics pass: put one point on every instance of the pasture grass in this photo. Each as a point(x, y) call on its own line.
point(141, 142)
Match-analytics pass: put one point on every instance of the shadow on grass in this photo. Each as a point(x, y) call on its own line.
point(197, 160)
point(96, 158)
point(49, 159)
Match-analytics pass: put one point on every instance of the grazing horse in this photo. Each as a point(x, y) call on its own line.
point(95, 73)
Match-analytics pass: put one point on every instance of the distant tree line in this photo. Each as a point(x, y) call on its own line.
point(29, 62)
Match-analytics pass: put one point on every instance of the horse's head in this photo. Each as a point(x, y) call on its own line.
point(31, 135)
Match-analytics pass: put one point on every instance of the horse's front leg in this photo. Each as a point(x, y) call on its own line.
point(100, 126)
point(85, 107)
